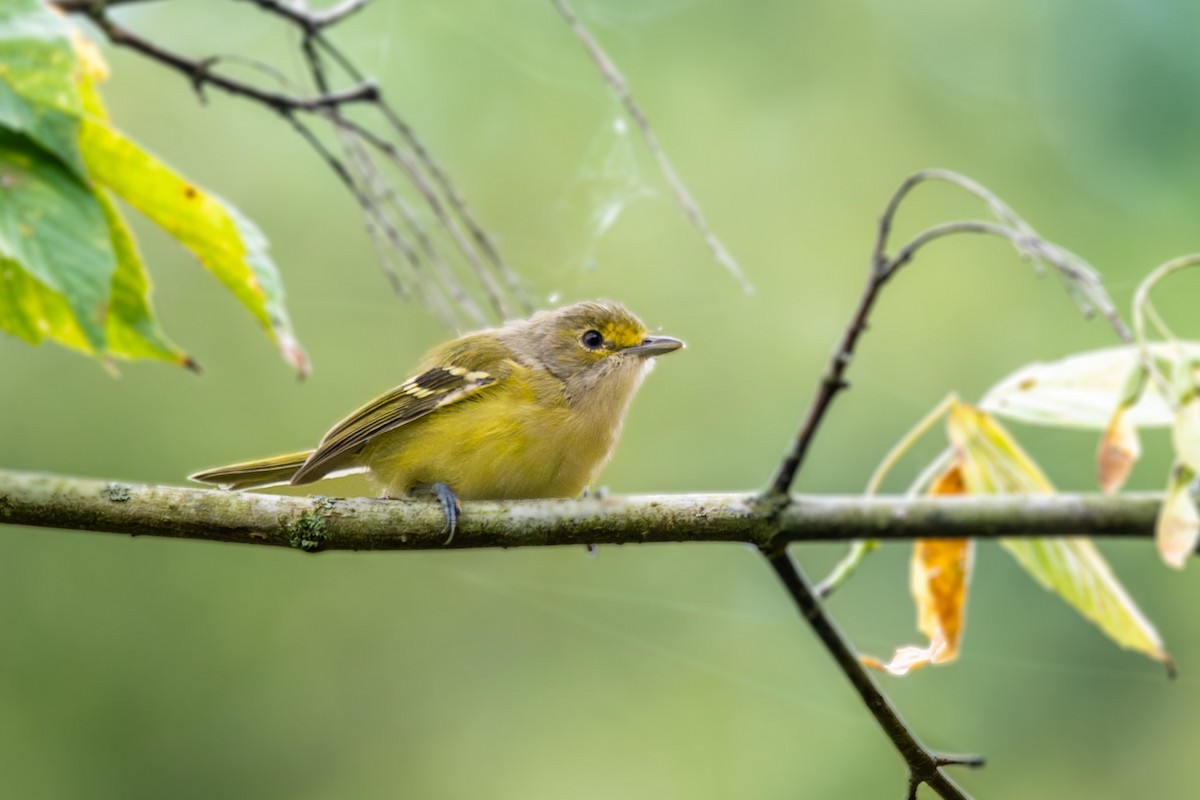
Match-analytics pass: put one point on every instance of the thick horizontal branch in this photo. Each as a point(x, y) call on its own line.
point(319, 523)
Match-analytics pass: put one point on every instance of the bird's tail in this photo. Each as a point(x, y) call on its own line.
point(254, 474)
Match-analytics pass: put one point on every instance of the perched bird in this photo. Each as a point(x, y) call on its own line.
point(530, 409)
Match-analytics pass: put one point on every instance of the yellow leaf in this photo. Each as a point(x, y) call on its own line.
point(1178, 529)
point(225, 242)
point(993, 463)
point(939, 575)
point(1119, 450)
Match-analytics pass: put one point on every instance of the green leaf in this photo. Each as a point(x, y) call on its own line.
point(226, 243)
point(30, 311)
point(53, 227)
point(52, 129)
point(72, 272)
point(132, 330)
point(38, 79)
point(1076, 571)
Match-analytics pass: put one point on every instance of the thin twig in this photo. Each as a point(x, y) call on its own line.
point(459, 205)
point(311, 21)
point(924, 766)
point(86, 6)
point(315, 39)
point(373, 193)
point(620, 87)
point(376, 221)
point(357, 170)
point(1143, 308)
point(201, 74)
point(448, 222)
point(1082, 282)
point(832, 381)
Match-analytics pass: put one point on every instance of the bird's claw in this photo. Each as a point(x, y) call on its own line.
point(450, 508)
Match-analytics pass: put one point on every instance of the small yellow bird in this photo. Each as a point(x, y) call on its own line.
point(531, 409)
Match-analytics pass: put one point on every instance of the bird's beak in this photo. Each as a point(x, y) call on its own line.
point(653, 346)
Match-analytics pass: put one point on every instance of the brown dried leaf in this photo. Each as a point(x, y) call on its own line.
point(1119, 450)
point(939, 575)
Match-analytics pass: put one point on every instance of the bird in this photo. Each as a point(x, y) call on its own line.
point(530, 409)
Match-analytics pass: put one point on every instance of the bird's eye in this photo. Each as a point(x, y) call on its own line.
point(592, 340)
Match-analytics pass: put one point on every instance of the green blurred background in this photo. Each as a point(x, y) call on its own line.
point(151, 668)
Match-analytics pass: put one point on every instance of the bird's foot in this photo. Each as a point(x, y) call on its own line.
point(450, 507)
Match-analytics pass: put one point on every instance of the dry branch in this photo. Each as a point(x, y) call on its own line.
point(318, 523)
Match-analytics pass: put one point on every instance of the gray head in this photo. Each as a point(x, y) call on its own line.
point(589, 346)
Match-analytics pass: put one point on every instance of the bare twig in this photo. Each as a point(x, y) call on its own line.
point(311, 21)
point(1082, 282)
point(83, 6)
point(381, 204)
point(924, 766)
point(201, 74)
point(1143, 309)
point(375, 196)
point(832, 381)
point(620, 87)
point(315, 42)
point(449, 223)
point(1085, 287)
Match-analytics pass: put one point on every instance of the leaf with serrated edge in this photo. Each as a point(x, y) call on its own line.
point(993, 463)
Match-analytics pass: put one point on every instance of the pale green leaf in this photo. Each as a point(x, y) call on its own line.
point(1085, 389)
point(991, 462)
point(1185, 433)
point(1075, 570)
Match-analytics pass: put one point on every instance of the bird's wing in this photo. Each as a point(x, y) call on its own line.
point(456, 376)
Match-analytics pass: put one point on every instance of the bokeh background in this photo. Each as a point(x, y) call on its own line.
point(143, 668)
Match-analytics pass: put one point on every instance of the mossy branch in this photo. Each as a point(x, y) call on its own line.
point(319, 523)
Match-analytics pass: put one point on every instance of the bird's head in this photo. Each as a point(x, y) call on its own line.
point(591, 345)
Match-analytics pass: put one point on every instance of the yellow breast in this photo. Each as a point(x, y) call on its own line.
point(523, 438)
